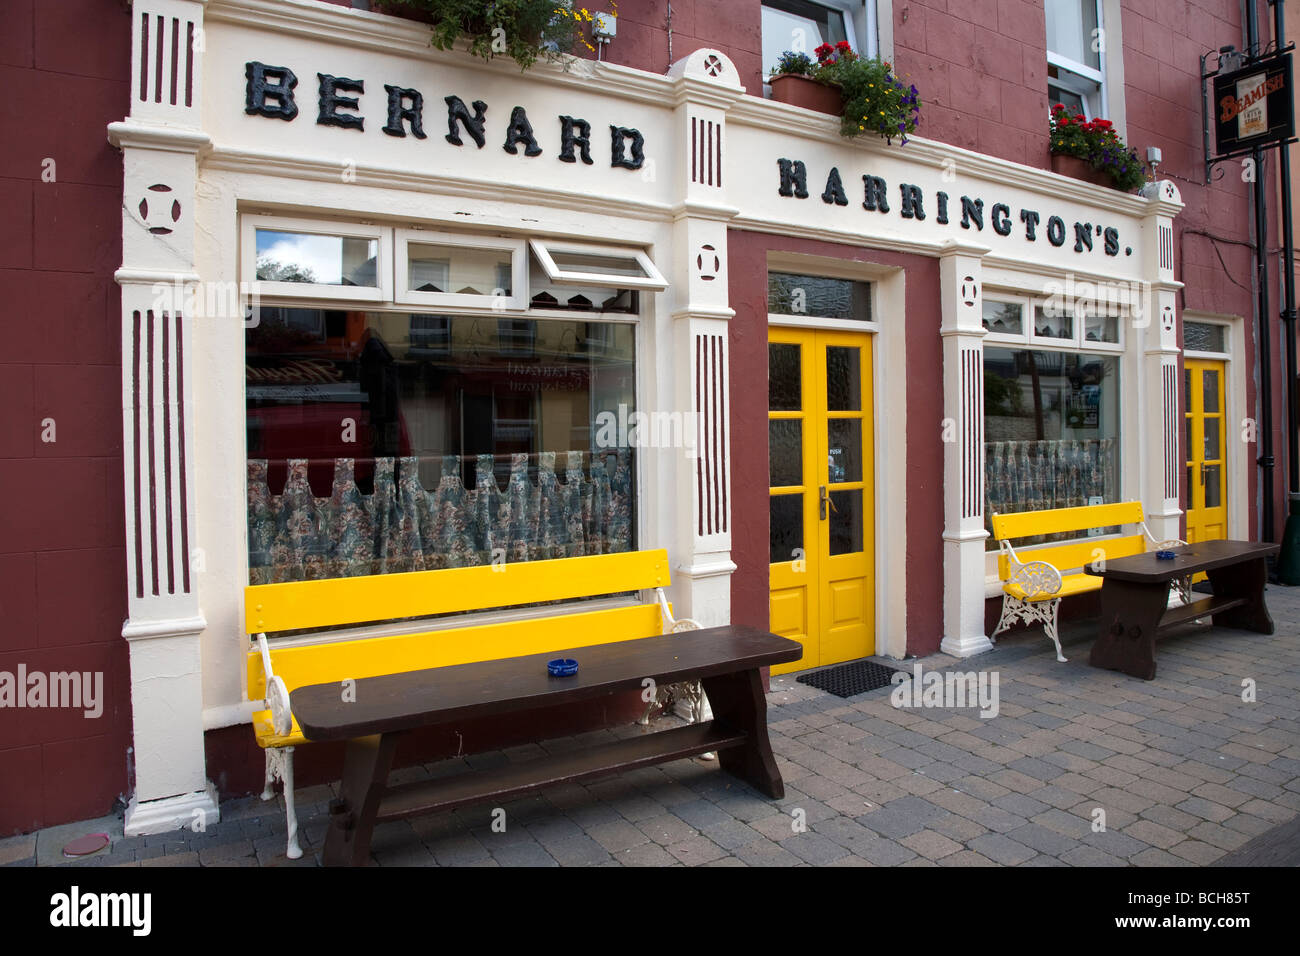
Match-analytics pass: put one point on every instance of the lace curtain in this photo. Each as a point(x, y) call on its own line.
point(296, 536)
point(1038, 475)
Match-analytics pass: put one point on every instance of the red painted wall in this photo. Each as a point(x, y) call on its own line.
point(748, 252)
point(62, 566)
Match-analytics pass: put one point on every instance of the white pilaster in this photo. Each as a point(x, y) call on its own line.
point(960, 282)
point(160, 141)
point(706, 85)
point(1162, 387)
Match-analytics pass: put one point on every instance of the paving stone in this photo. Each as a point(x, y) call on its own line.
point(1002, 849)
point(814, 848)
point(1206, 809)
point(617, 835)
point(931, 844)
point(458, 851)
point(887, 853)
point(1089, 856)
point(1157, 857)
point(577, 851)
point(1198, 852)
point(667, 829)
point(766, 853)
point(647, 854)
point(1038, 837)
point(1154, 834)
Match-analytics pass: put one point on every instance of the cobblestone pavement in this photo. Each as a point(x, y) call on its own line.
point(1186, 772)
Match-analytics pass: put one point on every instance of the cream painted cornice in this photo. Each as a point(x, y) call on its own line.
point(314, 168)
point(393, 36)
point(150, 136)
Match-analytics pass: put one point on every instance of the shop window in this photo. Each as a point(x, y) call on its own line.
point(818, 297)
point(308, 258)
point(1084, 316)
point(1051, 429)
point(1075, 41)
point(385, 441)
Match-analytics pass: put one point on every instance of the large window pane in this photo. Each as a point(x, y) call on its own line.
point(1070, 31)
point(1052, 429)
point(463, 270)
point(798, 25)
point(382, 442)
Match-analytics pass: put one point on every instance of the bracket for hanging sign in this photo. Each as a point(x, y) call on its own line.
point(1253, 106)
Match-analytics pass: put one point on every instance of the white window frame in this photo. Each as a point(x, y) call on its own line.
point(1029, 337)
point(651, 281)
point(518, 299)
point(1081, 79)
point(380, 292)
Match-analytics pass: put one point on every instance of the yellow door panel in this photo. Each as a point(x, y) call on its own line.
point(821, 462)
point(1205, 437)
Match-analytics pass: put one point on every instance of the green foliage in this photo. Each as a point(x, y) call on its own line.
point(1096, 142)
point(523, 30)
point(800, 64)
point(874, 99)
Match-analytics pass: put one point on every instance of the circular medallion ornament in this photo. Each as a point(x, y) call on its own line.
point(708, 263)
point(713, 65)
point(159, 210)
point(970, 291)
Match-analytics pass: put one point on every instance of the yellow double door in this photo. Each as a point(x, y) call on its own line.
point(1206, 448)
point(821, 493)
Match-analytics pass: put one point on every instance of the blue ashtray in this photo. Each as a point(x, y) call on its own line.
point(1166, 555)
point(562, 667)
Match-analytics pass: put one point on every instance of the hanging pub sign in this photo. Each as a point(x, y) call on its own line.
point(1254, 106)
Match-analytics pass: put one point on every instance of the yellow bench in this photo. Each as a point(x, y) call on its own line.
point(274, 671)
point(1032, 589)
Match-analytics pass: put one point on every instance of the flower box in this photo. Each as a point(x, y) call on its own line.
point(806, 92)
point(1080, 169)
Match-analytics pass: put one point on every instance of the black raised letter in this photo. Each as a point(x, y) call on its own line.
point(399, 111)
point(911, 207)
point(1111, 239)
point(568, 140)
point(794, 178)
point(1082, 236)
point(874, 189)
point(1000, 219)
point(941, 217)
point(618, 134)
point(330, 101)
point(1030, 219)
point(457, 113)
point(834, 192)
point(520, 131)
point(258, 91)
point(972, 210)
point(1056, 231)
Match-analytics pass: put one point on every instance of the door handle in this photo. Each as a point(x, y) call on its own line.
point(826, 500)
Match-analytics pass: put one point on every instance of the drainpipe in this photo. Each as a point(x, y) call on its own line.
point(1288, 560)
point(1265, 460)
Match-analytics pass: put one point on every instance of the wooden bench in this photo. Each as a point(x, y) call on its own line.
point(276, 669)
point(1134, 599)
point(1032, 588)
point(725, 659)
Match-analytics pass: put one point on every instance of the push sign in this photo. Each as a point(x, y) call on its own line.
point(1254, 106)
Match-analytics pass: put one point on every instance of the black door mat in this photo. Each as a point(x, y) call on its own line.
point(851, 679)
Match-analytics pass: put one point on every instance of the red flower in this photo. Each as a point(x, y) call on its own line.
point(1102, 124)
point(1080, 117)
point(843, 45)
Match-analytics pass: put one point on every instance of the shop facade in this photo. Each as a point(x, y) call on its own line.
point(379, 308)
point(371, 291)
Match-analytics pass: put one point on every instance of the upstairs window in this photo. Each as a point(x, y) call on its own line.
point(802, 26)
point(1075, 52)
